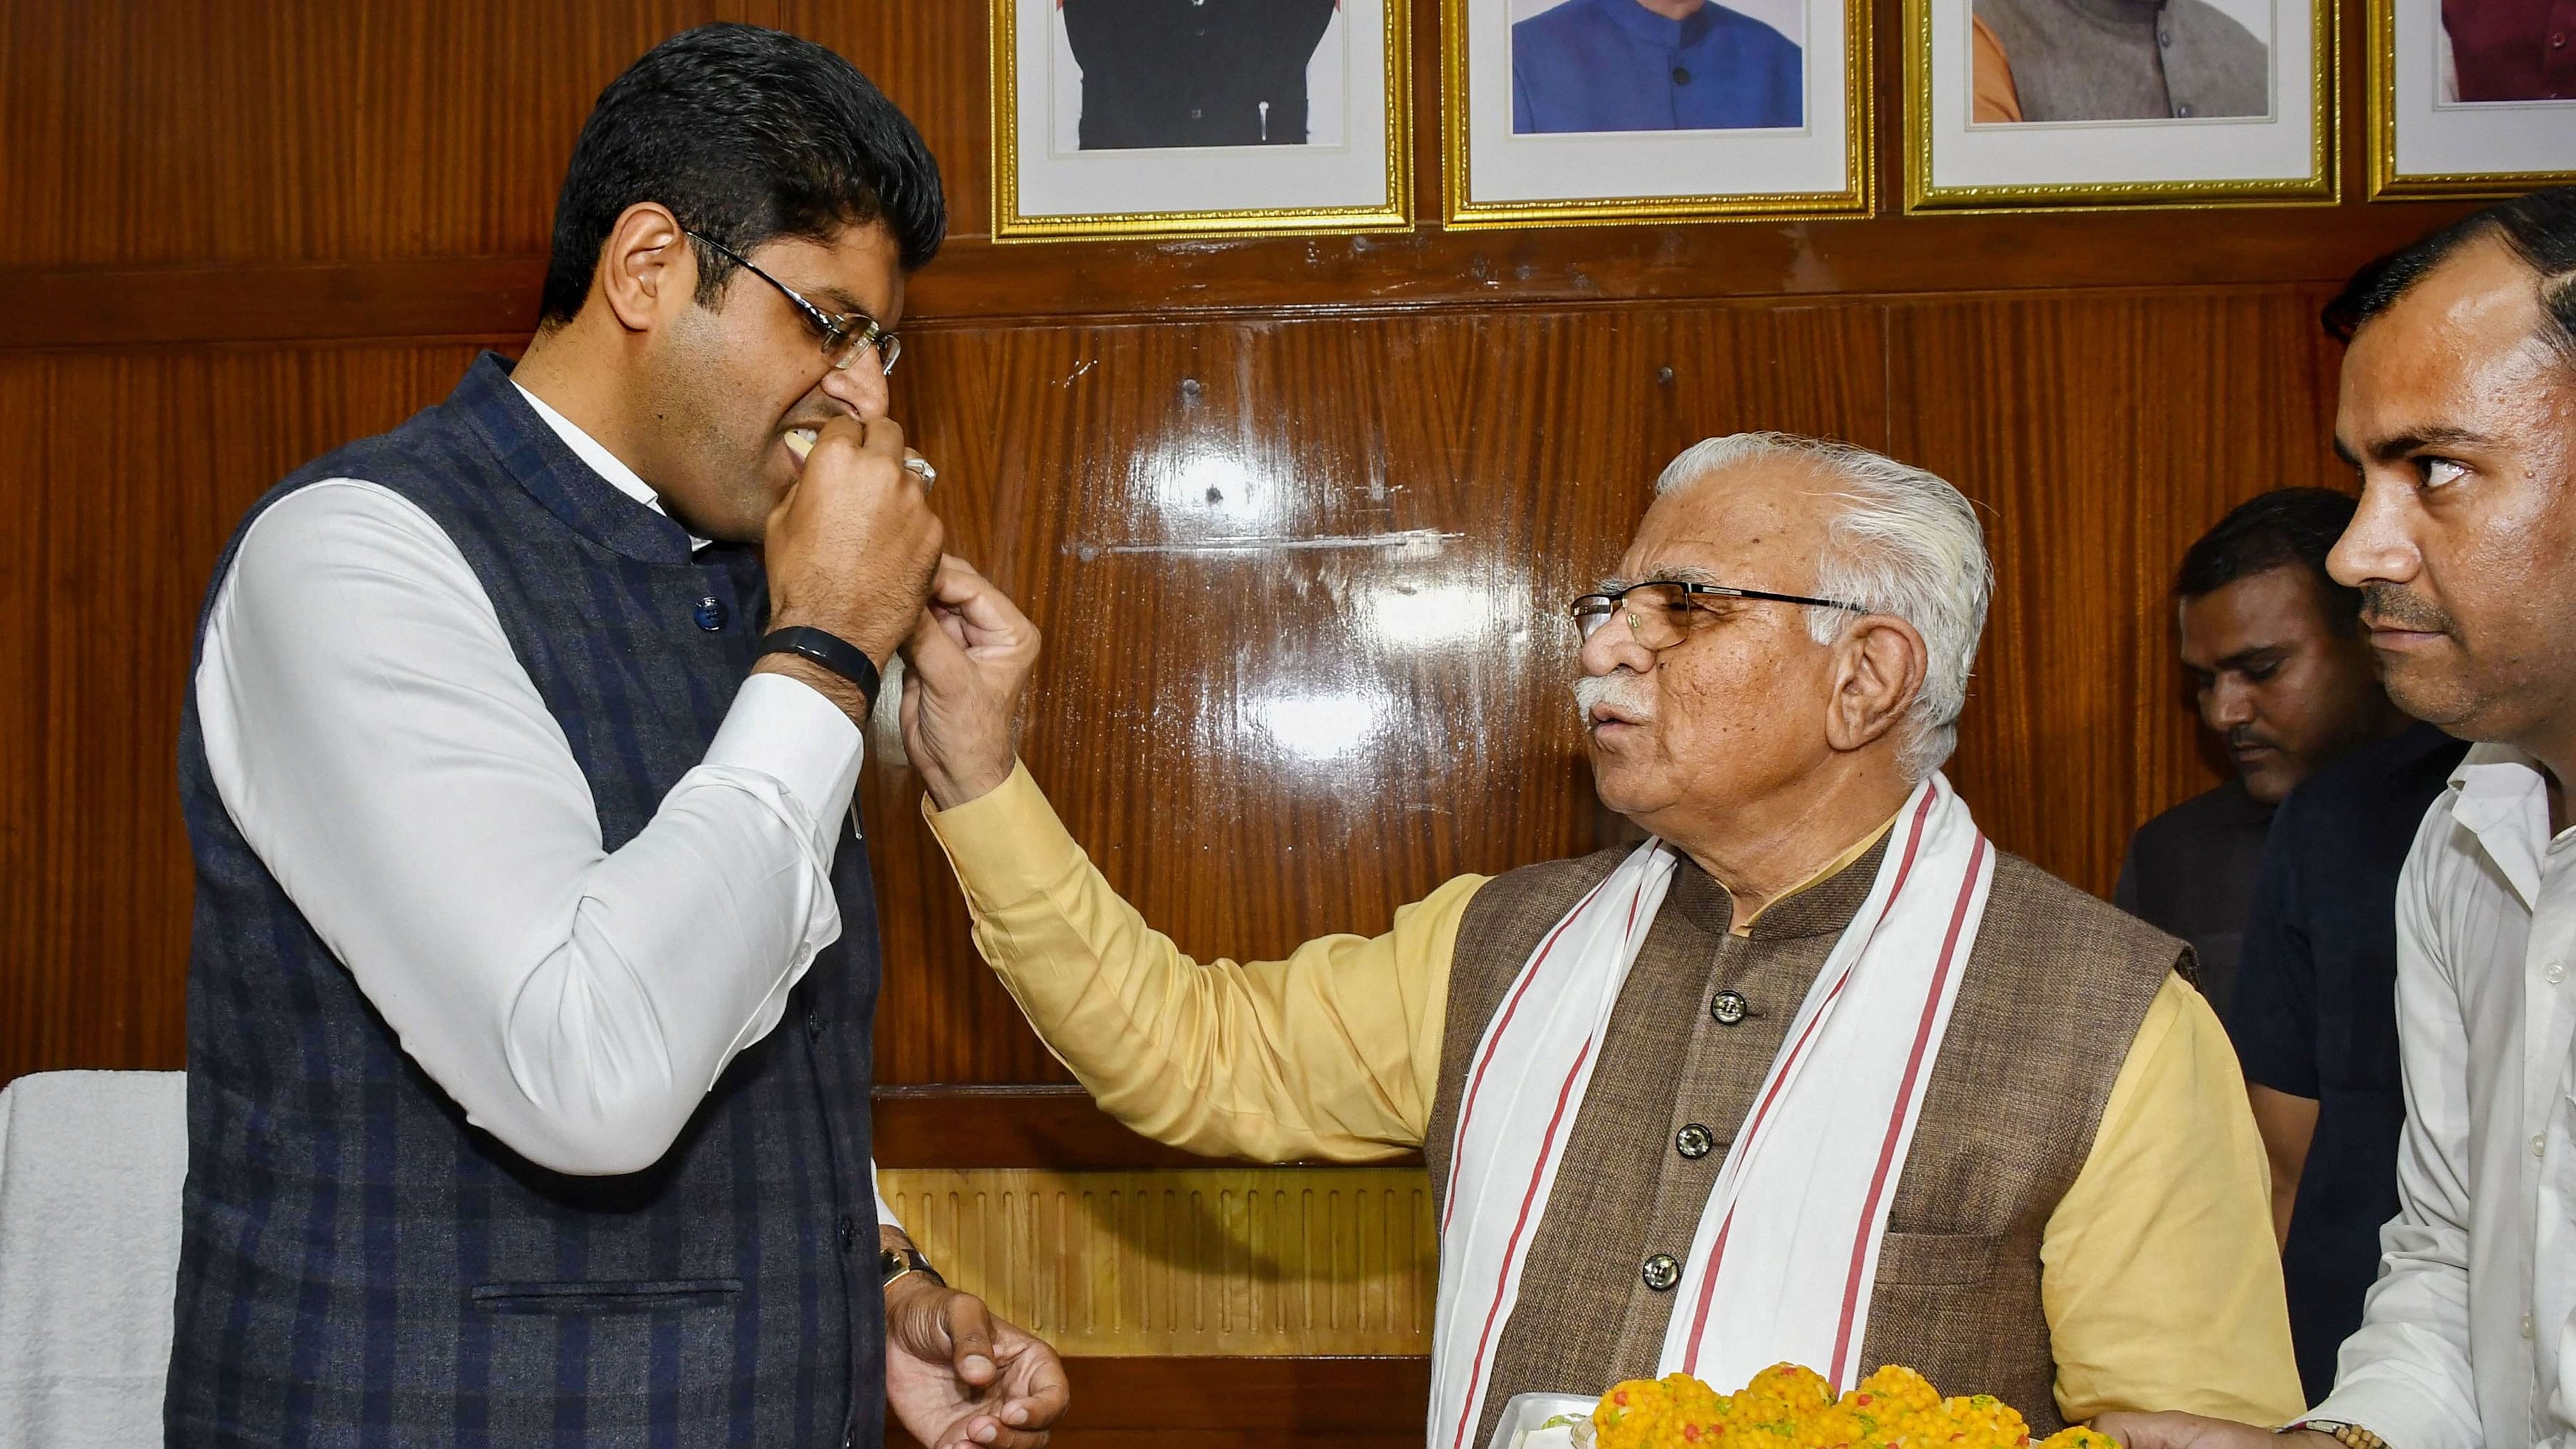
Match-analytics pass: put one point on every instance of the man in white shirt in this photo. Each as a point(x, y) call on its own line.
point(2459, 407)
point(518, 769)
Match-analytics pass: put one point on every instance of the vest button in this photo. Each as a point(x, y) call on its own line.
point(2183, 111)
point(710, 613)
point(1728, 1007)
point(1694, 1141)
point(849, 1233)
point(1681, 75)
point(1662, 1272)
point(813, 1024)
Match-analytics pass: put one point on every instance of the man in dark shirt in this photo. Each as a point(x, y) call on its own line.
point(2315, 1024)
point(2285, 677)
point(1194, 72)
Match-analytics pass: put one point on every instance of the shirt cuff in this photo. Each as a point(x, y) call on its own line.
point(885, 1212)
point(1006, 846)
point(784, 728)
point(2394, 1412)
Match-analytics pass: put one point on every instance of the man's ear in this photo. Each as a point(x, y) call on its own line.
point(647, 269)
point(1878, 674)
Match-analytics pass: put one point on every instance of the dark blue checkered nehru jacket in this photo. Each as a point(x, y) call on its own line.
point(359, 1266)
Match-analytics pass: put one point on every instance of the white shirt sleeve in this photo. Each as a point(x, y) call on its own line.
point(378, 743)
point(2405, 1375)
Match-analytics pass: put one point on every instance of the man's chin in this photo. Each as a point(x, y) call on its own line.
point(2430, 691)
point(1619, 787)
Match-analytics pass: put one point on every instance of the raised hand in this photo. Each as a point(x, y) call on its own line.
point(970, 654)
point(850, 548)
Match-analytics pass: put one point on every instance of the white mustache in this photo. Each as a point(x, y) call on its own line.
point(1624, 692)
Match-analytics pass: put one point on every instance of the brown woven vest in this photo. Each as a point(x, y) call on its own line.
point(2052, 999)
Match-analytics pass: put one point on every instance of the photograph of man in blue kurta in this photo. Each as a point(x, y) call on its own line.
point(1652, 65)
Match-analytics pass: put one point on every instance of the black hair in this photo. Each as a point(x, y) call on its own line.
point(2285, 526)
point(2539, 227)
point(746, 135)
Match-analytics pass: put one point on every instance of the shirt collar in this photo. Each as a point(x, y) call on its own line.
point(602, 462)
point(2501, 798)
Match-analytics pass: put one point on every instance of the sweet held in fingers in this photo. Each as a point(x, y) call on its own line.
point(801, 440)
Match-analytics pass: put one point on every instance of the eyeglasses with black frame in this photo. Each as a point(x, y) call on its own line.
point(845, 335)
point(1659, 610)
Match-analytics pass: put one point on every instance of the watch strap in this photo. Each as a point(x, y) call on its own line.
point(828, 649)
point(893, 1263)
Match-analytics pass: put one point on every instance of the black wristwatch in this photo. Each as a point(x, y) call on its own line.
point(828, 649)
point(895, 1262)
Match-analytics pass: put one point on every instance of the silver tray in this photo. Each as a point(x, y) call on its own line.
point(1523, 1413)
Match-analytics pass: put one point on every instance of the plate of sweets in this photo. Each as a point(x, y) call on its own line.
point(1785, 1407)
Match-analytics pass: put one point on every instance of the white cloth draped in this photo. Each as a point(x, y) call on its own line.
point(1786, 1254)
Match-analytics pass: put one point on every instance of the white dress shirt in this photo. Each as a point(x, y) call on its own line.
point(377, 742)
point(2467, 1332)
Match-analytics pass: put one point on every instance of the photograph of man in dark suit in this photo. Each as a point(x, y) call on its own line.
point(1182, 73)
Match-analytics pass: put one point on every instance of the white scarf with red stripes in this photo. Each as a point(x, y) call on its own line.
point(1786, 1254)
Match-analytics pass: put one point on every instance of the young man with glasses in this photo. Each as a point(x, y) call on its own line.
point(518, 769)
point(1816, 1074)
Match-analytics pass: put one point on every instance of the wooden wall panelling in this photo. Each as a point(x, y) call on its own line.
point(1265, 1261)
point(121, 476)
point(976, 281)
point(1300, 583)
point(2102, 434)
point(1242, 1403)
point(167, 131)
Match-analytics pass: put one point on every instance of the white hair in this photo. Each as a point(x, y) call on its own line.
point(1906, 544)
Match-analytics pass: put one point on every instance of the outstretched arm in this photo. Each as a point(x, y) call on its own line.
point(1332, 1053)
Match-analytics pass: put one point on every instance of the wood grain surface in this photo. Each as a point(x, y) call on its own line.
point(1241, 1403)
point(1250, 1260)
point(1295, 513)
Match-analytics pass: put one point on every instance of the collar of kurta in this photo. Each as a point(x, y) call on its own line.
point(545, 465)
point(2123, 15)
point(1821, 905)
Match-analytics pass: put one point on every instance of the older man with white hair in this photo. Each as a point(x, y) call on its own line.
point(1813, 1074)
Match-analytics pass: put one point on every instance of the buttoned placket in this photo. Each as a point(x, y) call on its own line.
point(1733, 1035)
point(2549, 1116)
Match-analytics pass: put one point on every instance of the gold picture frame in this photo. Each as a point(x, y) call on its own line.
point(2320, 187)
point(1858, 196)
point(1011, 224)
point(2379, 81)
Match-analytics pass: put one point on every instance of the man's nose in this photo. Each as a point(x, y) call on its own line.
point(2227, 703)
point(860, 387)
point(2376, 546)
point(1614, 647)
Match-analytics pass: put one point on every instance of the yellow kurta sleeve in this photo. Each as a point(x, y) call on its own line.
point(1333, 1053)
point(2158, 1269)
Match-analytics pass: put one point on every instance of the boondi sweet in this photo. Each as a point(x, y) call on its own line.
point(1788, 1406)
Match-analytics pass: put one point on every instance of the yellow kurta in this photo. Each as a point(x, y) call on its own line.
point(2159, 1272)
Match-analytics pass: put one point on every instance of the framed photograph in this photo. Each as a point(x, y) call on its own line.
point(2470, 97)
point(1146, 118)
point(1562, 111)
point(2101, 103)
